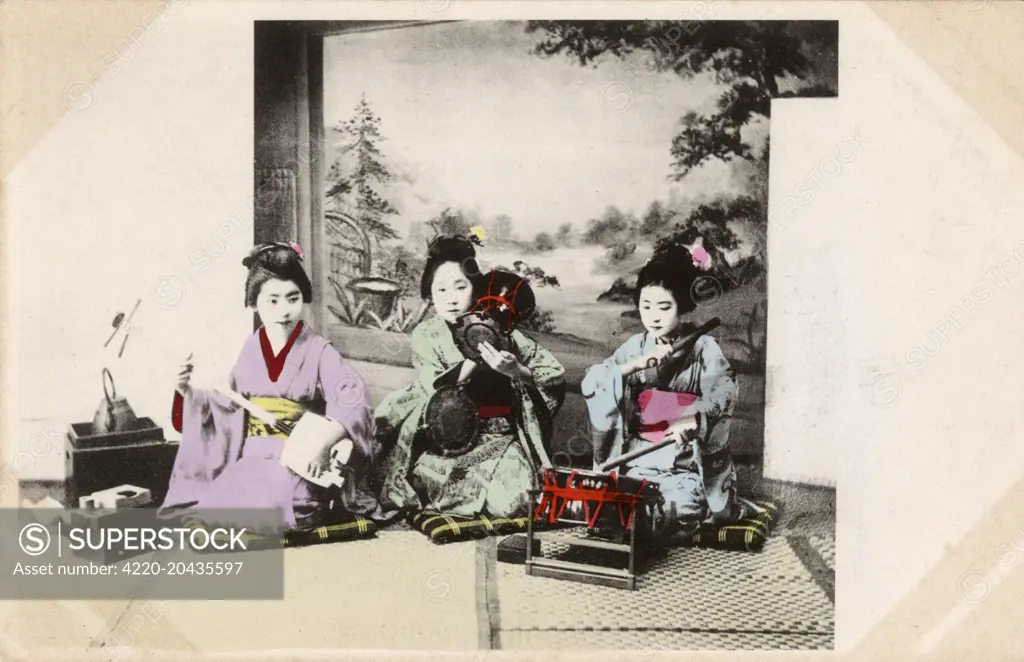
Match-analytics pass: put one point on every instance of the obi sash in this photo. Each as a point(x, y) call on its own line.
point(494, 411)
point(285, 410)
point(660, 409)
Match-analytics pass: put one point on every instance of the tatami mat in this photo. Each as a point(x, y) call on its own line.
point(400, 591)
point(396, 591)
point(646, 640)
point(709, 598)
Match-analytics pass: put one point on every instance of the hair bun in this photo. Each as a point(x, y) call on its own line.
point(673, 254)
point(452, 247)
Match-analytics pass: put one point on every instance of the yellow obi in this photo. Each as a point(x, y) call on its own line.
point(285, 410)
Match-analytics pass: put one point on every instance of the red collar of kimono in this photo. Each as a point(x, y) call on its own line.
point(275, 364)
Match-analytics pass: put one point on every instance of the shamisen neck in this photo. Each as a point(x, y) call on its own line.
point(681, 331)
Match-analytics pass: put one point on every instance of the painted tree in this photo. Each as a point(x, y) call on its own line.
point(543, 242)
point(564, 236)
point(451, 221)
point(711, 222)
point(656, 219)
point(754, 61)
point(613, 227)
point(358, 169)
point(504, 230)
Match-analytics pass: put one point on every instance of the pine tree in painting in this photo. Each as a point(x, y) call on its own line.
point(358, 168)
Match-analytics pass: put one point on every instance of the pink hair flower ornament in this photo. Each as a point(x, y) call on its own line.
point(297, 249)
point(701, 258)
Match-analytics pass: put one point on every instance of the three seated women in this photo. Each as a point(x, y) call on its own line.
point(644, 392)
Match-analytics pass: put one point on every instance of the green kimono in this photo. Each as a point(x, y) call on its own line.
point(494, 476)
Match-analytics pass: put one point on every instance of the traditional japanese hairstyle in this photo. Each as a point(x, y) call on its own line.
point(450, 248)
point(275, 260)
point(676, 269)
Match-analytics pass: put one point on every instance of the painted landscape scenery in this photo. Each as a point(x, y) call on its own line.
point(597, 145)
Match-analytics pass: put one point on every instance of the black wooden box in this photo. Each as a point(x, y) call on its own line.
point(139, 456)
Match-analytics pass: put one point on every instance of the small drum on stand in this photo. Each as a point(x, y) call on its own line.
point(614, 509)
point(609, 505)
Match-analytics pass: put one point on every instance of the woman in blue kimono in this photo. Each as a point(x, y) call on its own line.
point(634, 401)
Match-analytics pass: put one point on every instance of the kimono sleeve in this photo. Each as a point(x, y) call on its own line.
point(347, 401)
point(603, 385)
point(177, 411)
point(178, 404)
point(426, 361)
point(211, 437)
point(548, 374)
point(718, 393)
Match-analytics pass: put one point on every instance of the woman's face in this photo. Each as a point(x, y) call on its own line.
point(451, 291)
point(279, 302)
point(659, 311)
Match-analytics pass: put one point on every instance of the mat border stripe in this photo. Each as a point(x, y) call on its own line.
point(824, 577)
point(680, 630)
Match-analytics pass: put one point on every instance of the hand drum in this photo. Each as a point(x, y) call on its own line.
point(452, 421)
point(475, 328)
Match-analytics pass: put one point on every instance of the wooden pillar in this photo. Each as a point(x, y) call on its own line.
point(288, 134)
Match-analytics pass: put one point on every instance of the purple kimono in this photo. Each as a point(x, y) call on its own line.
point(227, 461)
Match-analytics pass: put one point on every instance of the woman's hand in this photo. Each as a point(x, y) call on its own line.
point(684, 431)
point(184, 375)
point(662, 354)
point(321, 463)
point(331, 459)
point(503, 362)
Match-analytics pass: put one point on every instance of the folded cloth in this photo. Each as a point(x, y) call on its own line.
point(748, 534)
point(352, 528)
point(442, 529)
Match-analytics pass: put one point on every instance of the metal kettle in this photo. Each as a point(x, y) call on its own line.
point(114, 414)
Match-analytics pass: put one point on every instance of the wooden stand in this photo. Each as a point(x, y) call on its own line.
point(628, 501)
point(588, 573)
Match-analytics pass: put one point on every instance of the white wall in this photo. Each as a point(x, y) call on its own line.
point(887, 206)
point(869, 269)
point(109, 207)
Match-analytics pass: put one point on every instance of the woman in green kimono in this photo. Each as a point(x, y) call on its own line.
point(517, 393)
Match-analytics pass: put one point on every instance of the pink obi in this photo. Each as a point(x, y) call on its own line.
point(660, 409)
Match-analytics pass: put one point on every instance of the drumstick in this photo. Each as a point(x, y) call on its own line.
point(632, 455)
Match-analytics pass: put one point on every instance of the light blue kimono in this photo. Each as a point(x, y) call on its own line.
point(698, 483)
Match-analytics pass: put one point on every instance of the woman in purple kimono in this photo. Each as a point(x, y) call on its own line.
point(231, 460)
